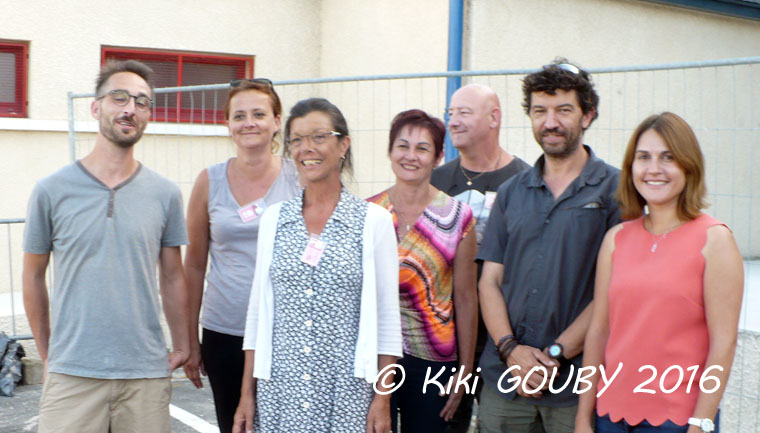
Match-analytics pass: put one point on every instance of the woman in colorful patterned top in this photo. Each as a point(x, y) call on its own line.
point(437, 282)
point(668, 294)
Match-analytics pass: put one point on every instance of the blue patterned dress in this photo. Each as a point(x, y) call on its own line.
point(316, 323)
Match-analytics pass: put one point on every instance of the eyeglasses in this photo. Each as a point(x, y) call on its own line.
point(315, 138)
point(264, 81)
point(121, 98)
point(565, 67)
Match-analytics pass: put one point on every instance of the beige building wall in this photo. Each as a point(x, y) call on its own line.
point(376, 38)
point(720, 104)
point(529, 33)
point(65, 40)
point(383, 37)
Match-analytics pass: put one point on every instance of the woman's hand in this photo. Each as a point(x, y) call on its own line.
point(243, 419)
point(448, 411)
point(583, 425)
point(194, 366)
point(379, 416)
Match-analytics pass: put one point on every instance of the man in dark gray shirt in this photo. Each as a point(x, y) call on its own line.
point(473, 178)
point(539, 253)
point(483, 165)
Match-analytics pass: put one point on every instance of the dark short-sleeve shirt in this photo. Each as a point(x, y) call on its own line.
point(548, 248)
point(450, 179)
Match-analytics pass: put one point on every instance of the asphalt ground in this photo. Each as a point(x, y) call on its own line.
point(192, 409)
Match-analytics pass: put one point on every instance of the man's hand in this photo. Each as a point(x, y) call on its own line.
point(194, 366)
point(379, 416)
point(527, 357)
point(176, 359)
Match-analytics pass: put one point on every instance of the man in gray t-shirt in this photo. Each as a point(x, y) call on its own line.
point(108, 221)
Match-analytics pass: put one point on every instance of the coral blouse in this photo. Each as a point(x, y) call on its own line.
point(657, 318)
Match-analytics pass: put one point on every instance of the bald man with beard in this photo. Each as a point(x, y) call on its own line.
point(473, 178)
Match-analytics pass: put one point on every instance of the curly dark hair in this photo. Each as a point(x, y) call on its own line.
point(561, 74)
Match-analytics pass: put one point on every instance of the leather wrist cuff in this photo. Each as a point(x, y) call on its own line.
point(506, 347)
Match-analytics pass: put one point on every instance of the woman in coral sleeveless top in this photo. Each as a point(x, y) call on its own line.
point(668, 294)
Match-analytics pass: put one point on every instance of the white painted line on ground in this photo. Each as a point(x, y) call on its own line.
point(191, 420)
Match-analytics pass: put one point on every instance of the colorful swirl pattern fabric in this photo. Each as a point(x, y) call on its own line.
point(426, 275)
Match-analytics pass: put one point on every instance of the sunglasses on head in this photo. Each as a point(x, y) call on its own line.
point(565, 67)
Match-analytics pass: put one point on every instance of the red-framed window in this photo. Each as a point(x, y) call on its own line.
point(174, 69)
point(13, 75)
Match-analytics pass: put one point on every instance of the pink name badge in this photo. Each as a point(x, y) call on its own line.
point(250, 212)
point(313, 251)
point(490, 198)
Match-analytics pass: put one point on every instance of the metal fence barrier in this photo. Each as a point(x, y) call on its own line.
point(11, 309)
point(716, 97)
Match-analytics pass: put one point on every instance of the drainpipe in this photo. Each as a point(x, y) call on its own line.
point(456, 16)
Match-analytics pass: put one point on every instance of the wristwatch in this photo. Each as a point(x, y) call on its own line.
point(557, 352)
point(705, 424)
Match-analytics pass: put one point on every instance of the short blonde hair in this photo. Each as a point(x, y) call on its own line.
point(683, 145)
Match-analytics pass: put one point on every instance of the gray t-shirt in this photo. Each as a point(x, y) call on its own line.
point(105, 244)
point(233, 236)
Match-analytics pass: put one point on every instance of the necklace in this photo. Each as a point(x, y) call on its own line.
point(404, 218)
point(401, 219)
point(658, 238)
point(470, 179)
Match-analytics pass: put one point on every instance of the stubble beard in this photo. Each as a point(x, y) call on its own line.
point(109, 131)
point(562, 150)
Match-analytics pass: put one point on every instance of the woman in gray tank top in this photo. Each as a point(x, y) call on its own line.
point(223, 222)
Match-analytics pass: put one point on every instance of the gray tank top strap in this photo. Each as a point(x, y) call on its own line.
point(232, 247)
point(218, 187)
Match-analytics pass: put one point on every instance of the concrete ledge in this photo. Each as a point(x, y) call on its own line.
point(33, 370)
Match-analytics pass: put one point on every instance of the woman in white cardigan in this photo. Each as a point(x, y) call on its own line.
point(323, 316)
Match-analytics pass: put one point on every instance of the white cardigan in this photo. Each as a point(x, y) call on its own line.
point(380, 320)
